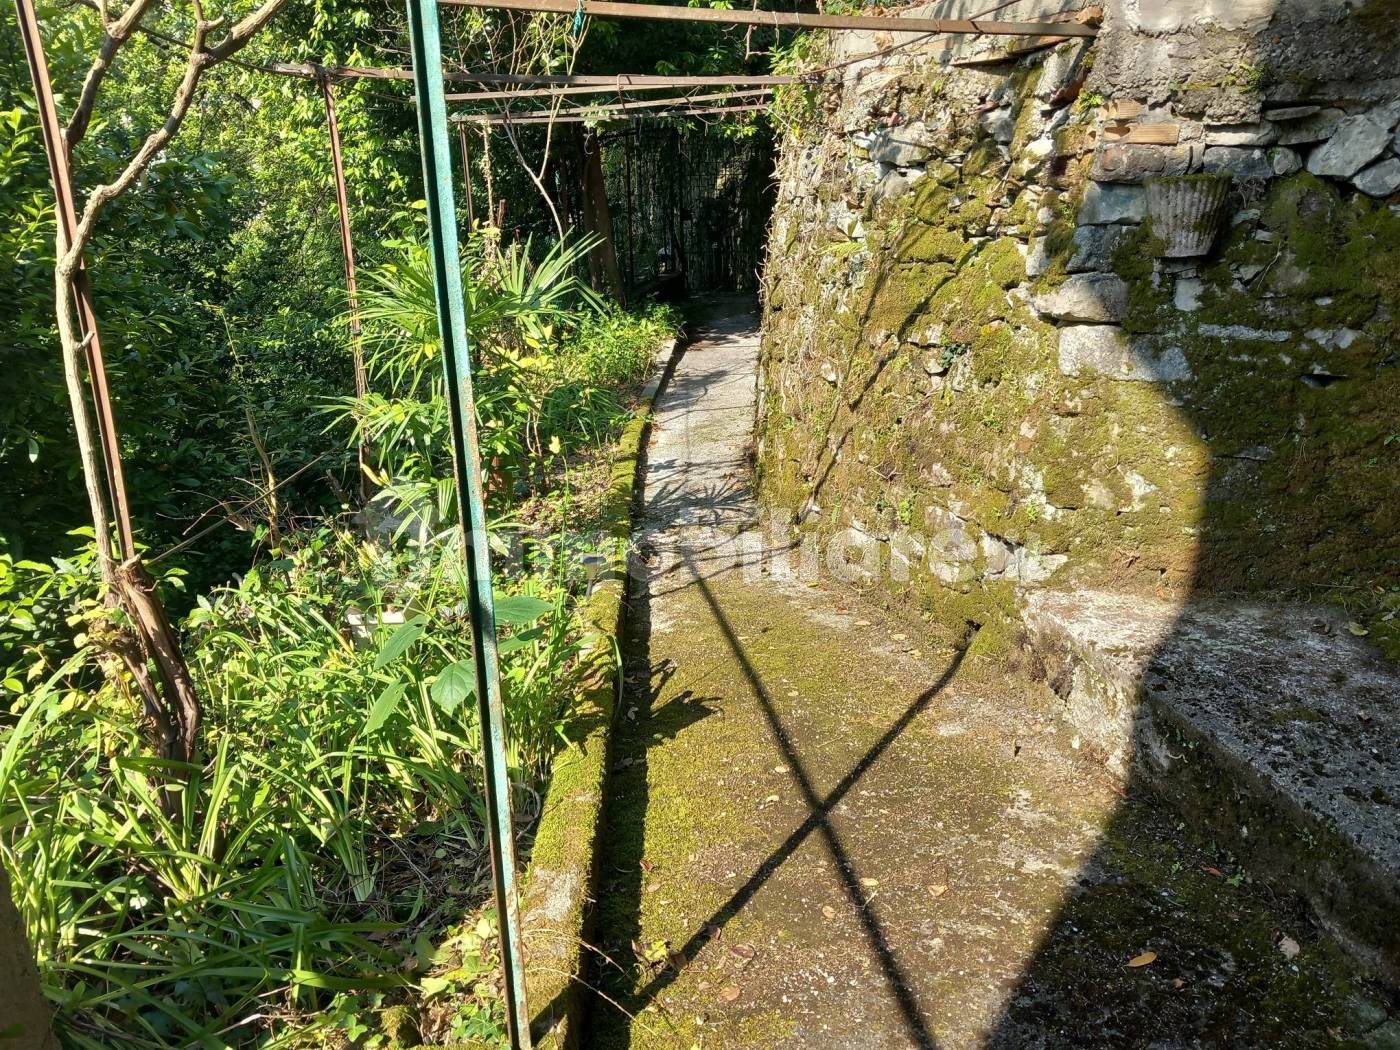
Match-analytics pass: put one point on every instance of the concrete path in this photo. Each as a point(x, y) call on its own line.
point(825, 830)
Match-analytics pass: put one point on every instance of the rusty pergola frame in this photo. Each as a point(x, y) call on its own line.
point(602, 116)
point(429, 78)
point(783, 19)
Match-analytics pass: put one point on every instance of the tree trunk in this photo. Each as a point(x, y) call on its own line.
point(24, 1015)
point(598, 219)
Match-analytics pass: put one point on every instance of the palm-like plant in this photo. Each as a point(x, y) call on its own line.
point(515, 309)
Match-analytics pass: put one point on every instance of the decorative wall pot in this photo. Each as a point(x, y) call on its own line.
point(1187, 212)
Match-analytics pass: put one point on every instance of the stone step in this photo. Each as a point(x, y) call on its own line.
point(1272, 728)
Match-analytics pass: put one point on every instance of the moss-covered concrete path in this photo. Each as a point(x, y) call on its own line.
point(824, 830)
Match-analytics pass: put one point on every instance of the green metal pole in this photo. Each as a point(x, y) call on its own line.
point(426, 47)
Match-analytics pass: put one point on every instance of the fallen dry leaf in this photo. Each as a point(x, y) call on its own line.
point(870, 882)
point(1289, 947)
point(938, 890)
point(1145, 959)
point(1356, 629)
point(828, 911)
point(1213, 871)
point(729, 993)
point(742, 951)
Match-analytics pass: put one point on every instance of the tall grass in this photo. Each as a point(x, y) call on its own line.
point(336, 772)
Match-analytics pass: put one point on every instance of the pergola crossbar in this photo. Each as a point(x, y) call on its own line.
point(633, 81)
point(620, 107)
point(601, 116)
point(566, 92)
point(783, 19)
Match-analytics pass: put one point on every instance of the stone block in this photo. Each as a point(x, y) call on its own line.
point(1060, 69)
point(1133, 162)
point(1186, 296)
point(1292, 112)
point(1285, 161)
point(1240, 161)
point(1094, 247)
point(1312, 128)
point(1093, 297)
point(999, 124)
point(1264, 133)
point(1357, 141)
point(902, 147)
point(893, 185)
point(1107, 203)
point(1379, 180)
point(1105, 350)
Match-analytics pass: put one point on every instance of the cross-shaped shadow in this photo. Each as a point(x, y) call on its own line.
point(818, 822)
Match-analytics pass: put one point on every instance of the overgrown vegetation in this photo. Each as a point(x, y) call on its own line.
point(335, 831)
point(316, 876)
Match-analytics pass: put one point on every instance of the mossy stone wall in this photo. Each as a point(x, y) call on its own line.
point(970, 337)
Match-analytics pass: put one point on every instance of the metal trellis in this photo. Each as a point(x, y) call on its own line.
point(426, 47)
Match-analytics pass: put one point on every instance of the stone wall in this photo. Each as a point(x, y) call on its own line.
point(981, 330)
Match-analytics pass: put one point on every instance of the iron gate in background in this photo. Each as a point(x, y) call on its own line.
point(689, 204)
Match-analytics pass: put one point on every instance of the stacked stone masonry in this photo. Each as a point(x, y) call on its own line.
point(970, 331)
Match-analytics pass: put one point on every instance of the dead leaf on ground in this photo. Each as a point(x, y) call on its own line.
point(1213, 871)
point(938, 890)
point(828, 911)
point(1289, 947)
point(742, 951)
point(1145, 959)
point(870, 883)
point(729, 993)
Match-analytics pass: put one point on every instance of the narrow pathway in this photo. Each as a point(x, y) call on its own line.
point(822, 833)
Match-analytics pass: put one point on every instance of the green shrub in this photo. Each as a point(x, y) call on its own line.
point(342, 774)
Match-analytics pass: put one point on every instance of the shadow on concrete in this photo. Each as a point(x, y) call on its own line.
point(623, 862)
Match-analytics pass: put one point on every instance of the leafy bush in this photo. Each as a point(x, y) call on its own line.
point(341, 797)
point(551, 366)
point(614, 347)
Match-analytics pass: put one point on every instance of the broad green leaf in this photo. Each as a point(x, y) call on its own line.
point(519, 609)
point(399, 642)
point(432, 986)
point(456, 682)
point(384, 707)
